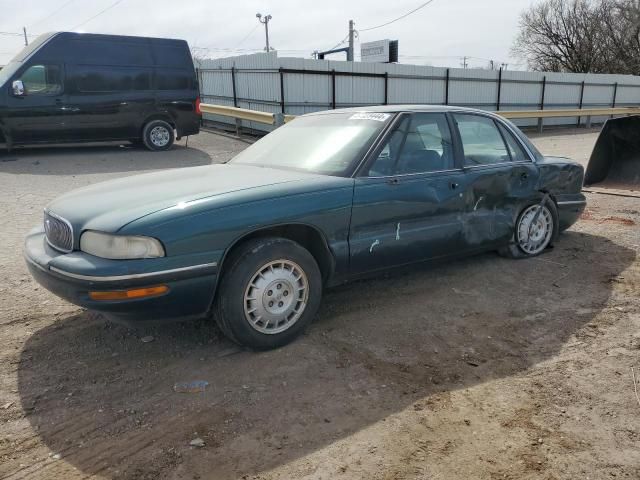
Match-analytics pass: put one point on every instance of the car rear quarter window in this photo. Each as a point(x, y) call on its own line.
point(94, 79)
point(482, 143)
point(515, 149)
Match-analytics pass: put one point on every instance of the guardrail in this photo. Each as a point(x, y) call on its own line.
point(267, 118)
point(278, 119)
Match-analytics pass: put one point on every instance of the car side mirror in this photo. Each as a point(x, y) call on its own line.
point(18, 88)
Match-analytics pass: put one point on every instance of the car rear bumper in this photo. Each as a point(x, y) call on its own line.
point(570, 207)
point(190, 289)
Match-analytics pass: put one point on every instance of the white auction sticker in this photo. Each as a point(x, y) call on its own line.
point(378, 117)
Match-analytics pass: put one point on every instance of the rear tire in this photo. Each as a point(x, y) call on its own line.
point(157, 135)
point(269, 293)
point(531, 240)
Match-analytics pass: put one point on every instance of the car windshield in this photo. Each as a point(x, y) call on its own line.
point(329, 144)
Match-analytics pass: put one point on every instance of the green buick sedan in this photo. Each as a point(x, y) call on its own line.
point(330, 197)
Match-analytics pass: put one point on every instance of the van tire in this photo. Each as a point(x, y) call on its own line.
point(158, 135)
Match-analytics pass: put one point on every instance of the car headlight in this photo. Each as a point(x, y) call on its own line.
point(120, 247)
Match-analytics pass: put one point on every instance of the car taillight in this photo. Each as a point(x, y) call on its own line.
point(198, 111)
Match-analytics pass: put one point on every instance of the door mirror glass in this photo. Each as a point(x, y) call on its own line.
point(18, 88)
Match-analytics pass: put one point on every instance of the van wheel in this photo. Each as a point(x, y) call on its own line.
point(157, 135)
point(270, 292)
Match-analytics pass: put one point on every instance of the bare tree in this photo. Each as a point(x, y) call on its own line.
point(621, 34)
point(597, 36)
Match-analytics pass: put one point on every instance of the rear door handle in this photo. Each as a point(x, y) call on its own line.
point(393, 181)
point(454, 185)
point(524, 175)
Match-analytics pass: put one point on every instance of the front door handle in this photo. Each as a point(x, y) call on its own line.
point(393, 181)
point(524, 175)
point(454, 185)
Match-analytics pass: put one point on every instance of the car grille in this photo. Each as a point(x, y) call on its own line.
point(59, 232)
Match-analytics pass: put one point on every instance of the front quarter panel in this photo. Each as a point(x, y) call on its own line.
point(211, 232)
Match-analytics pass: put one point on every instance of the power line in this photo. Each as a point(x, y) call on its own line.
point(247, 36)
point(396, 19)
point(338, 44)
point(52, 13)
point(12, 34)
point(98, 14)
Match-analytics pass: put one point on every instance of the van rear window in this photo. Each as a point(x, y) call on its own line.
point(90, 79)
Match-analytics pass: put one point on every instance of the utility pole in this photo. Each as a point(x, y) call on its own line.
point(24, 30)
point(351, 35)
point(464, 62)
point(265, 22)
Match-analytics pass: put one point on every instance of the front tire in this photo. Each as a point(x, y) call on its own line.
point(157, 135)
point(269, 293)
point(532, 238)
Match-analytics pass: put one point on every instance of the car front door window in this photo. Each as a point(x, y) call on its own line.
point(420, 144)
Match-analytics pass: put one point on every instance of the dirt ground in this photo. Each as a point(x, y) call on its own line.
point(480, 368)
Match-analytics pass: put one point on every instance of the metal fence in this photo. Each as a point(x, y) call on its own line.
point(296, 86)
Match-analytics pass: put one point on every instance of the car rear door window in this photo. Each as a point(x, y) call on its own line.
point(482, 143)
point(420, 144)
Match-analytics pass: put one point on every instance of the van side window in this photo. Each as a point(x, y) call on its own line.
point(93, 79)
point(170, 79)
point(42, 80)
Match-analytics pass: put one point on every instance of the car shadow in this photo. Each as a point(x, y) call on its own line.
point(109, 158)
point(103, 399)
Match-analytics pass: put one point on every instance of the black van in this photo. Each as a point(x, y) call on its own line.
point(79, 87)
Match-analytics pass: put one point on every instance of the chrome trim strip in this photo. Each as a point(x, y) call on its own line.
point(498, 164)
point(572, 202)
point(133, 276)
point(37, 265)
point(451, 170)
point(63, 220)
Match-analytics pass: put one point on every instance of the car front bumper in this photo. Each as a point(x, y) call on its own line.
point(73, 276)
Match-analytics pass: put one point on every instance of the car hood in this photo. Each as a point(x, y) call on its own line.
point(110, 205)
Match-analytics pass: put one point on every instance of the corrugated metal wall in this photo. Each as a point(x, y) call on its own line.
point(297, 86)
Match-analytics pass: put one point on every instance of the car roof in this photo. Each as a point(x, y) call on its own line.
point(400, 108)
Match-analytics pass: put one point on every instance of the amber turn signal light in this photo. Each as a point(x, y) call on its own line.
point(129, 294)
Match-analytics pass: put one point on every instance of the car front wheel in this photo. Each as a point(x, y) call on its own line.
point(269, 293)
point(157, 135)
point(535, 229)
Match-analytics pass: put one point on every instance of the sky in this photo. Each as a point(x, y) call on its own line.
point(439, 34)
